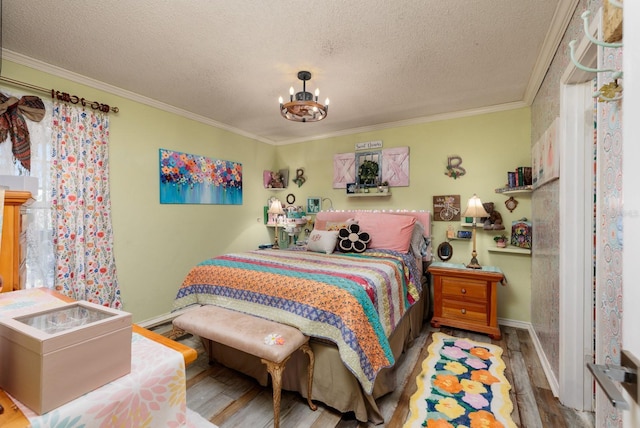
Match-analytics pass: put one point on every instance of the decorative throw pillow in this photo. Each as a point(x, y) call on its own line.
point(351, 239)
point(337, 225)
point(322, 241)
point(389, 231)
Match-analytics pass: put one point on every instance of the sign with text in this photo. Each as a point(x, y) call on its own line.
point(367, 145)
point(446, 208)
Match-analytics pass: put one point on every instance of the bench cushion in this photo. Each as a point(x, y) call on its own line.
point(241, 331)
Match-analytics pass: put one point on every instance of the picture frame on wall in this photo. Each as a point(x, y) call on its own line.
point(206, 180)
point(446, 208)
point(545, 157)
point(313, 205)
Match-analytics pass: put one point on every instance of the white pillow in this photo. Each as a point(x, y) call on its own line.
point(322, 241)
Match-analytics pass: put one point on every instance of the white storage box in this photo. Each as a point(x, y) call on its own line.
point(51, 357)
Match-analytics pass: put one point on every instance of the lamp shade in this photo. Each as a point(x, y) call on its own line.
point(276, 207)
point(475, 208)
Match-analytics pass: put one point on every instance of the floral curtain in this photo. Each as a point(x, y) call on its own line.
point(81, 209)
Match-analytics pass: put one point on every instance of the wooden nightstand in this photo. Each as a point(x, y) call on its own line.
point(466, 298)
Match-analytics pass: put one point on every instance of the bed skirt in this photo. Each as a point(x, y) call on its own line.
point(333, 384)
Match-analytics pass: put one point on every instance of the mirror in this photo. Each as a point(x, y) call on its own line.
point(445, 251)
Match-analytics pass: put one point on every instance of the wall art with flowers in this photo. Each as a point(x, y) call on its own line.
point(195, 179)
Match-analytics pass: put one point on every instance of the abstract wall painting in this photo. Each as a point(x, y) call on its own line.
point(194, 179)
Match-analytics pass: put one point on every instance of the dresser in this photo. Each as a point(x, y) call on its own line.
point(466, 298)
point(13, 252)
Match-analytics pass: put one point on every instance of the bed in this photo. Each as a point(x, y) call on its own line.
point(361, 309)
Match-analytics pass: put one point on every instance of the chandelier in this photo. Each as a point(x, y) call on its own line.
point(304, 107)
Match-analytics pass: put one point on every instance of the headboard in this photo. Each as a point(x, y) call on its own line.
point(424, 217)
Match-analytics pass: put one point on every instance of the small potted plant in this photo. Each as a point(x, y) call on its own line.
point(501, 240)
point(367, 173)
point(383, 187)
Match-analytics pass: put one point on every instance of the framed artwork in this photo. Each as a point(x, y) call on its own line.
point(395, 166)
point(521, 234)
point(344, 170)
point(369, 168)
point(195, 179)
point(446, 208)
point(545, 157)
point(360, 168)
point(275, 179)
point(313, 205)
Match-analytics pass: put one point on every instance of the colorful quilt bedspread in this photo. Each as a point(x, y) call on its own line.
point(354, 300)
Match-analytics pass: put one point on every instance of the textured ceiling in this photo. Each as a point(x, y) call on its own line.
point(378, 61)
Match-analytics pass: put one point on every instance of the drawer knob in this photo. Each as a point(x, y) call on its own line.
point(464, 311)
point(463, 291)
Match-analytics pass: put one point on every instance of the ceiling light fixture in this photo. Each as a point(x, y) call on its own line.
point(305, 106)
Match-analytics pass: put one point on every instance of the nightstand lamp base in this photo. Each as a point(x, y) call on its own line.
point(473, 264)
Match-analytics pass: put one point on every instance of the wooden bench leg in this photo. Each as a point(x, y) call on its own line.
point(176, 333)
point(307, 350)
point(275, 370)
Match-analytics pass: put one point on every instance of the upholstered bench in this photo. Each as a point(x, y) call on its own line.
point(247, 333)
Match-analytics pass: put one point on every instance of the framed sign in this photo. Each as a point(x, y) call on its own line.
point(446, 208)
point(313, 205)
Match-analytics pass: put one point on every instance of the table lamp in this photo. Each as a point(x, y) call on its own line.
point(276, 208)
point(475, 210)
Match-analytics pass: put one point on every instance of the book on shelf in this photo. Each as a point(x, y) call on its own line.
point(520, 177)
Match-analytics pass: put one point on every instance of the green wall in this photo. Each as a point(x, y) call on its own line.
point(489, 144)
point(156, 245)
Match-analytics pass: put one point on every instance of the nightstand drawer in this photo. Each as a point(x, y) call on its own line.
point(461, 288)
point(472, 312)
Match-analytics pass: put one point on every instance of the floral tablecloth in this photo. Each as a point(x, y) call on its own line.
point(152, 395)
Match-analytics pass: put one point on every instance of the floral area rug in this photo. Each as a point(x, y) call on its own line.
point(462, 384)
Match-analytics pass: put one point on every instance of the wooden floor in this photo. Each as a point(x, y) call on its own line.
point(230, 399)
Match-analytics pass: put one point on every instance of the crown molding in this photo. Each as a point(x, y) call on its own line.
point(417, 121)
point(96, 84)
point(559, 23)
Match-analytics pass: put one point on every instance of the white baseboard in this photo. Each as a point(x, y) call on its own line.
point(514, 323)
point(546, 367)
point(162, 319)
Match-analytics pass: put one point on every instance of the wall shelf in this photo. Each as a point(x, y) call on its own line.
point(514, 190)
point(512, 250)
point(369, 195)
point(479, 226)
